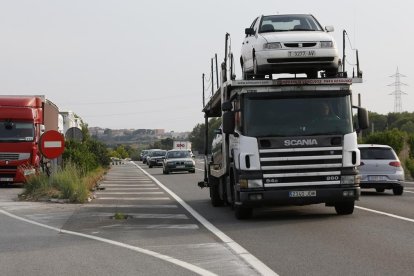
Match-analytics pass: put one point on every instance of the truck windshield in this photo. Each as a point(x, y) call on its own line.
point(297, 116)
point(16, 131)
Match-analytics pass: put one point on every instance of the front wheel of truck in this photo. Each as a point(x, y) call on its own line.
point(215, 198)
point(345, 208)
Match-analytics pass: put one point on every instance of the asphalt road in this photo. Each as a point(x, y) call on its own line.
point(313, 240)
point(161, 237)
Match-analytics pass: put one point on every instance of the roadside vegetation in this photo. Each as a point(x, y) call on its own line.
point(83, 165)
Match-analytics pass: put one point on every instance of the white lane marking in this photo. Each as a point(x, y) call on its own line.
point(127, 185)
point(129, 193)
point(385, 214)
point(133, 198)
point(238, 249)
point(405, 191)
point(129, 189)
point(166, 258)
point(145, 206)
point(151, 226)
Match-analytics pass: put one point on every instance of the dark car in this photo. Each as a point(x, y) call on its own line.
point(155, 158)
point(178, 160)
point(381, 169)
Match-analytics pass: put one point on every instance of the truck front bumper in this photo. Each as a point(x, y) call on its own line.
point(295, 196)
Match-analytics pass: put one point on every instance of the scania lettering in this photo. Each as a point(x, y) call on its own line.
point(308, 142)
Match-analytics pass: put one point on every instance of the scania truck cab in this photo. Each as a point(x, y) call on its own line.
point(284, 142)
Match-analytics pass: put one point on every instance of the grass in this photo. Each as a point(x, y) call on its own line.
point(67, 183)
point(120, 216)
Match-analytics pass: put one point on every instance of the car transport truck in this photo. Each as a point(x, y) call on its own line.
point(23, 119)
point(284, 142)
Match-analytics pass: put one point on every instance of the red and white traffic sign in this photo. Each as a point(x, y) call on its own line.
point(52, 144)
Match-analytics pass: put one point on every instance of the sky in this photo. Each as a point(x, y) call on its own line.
point(139, 63)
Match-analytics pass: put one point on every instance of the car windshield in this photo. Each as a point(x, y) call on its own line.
point(282, 117)
point(16, 131)
point(178, 154)
point(377, 154)
point(158, 153)
point(283, 23)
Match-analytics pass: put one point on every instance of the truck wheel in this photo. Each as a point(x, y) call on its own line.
point(398, 190)
point(215, 198)
point(241, 212)
point(345, 208)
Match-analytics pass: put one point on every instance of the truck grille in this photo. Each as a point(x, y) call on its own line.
point(306, 166)
point(10, 156)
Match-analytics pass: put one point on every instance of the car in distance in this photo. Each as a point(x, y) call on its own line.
point(380, 168)
point(291, 43)
point(178, 160)
point(155, 158)
point(143, 155)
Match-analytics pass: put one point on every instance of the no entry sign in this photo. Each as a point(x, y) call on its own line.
point(52, 144)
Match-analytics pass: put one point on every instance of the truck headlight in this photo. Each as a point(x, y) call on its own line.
point(250, 183)
point(349, 179)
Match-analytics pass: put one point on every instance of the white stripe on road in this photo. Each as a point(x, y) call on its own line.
point(133, 198)
point(127, 185)
point(152, 226)
point(129, 189)
point(166, 258)
point(238, 249)
point(385, 214)
point(129, 193)
point(405, 191)
point(150, 206)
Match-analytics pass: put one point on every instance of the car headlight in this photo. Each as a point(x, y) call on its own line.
point(326, 44)
point(272, 45)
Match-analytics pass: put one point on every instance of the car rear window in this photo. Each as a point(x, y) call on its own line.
point(377, 153)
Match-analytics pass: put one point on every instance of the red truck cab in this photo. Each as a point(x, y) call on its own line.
point(22, 121)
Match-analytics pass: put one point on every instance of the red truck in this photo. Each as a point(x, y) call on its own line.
point(23, 119)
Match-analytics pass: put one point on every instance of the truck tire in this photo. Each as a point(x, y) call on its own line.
point(215, 198)
point(345, 208)
point(398, 190)
point(241, 212)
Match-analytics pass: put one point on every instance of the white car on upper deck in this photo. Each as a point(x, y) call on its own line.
point(292, 43)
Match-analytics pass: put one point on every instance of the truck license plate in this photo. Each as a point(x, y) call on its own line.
point(302, 193)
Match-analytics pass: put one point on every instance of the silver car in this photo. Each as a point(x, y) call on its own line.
point(381, 169)
point(178, 160)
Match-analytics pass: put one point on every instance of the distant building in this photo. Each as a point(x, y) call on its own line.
point(159, 131)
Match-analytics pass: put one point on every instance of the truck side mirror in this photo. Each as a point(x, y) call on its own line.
point(363, 120)
point(227, 106)
point(228, 122)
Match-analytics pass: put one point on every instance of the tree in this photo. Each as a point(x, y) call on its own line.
point(197, 135)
